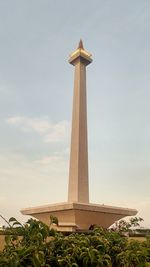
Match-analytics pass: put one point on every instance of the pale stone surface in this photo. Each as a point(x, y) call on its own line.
point(73, 216)
point(78, 213)
point(78, 190)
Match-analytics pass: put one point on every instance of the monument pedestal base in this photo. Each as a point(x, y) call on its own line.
point(77, 216)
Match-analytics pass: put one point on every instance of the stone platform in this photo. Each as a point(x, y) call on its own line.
point(76, 216)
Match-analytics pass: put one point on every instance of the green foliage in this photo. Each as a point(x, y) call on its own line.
point(35, 245)
point(123, 226)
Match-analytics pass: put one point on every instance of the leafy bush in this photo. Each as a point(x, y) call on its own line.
point(35, 245)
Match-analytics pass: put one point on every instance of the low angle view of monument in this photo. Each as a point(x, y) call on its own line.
point(78, 212)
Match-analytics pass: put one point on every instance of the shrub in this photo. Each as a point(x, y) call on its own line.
point(41, 247)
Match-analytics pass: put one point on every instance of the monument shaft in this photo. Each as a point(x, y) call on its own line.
point(78, 190)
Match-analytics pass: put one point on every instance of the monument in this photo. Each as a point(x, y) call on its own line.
point(78, 213)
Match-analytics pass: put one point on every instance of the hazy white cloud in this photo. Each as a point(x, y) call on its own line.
point(55, 159)
point(20, 165)
point(51, 132)
point(30, 124)
point(143, 207)
point(4, 88)
point(58, 132)
point(26, 182)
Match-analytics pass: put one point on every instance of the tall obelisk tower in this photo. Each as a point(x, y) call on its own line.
point(78, 213)
point(78, 190)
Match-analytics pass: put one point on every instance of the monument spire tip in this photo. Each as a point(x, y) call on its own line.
point(81, 44)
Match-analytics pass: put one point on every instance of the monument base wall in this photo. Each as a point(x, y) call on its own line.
point(77, 216)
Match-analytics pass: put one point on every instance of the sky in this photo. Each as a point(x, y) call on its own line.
point(36, 90)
